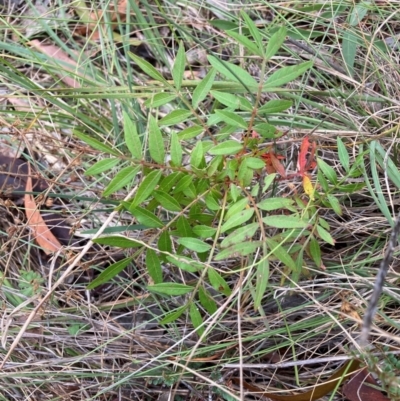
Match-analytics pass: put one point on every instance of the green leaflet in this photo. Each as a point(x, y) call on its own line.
point(240, 235)
point(255, 32)
point(287, 74)
point(159, 99)
point(324, 234)
point(170, 288)
point(204, 231)
point(153, 266)
point(240, 249)
point(118, 241)
point(233, 72)
point(197, 155)
point(275, 204)
point(194, 244)
point(146, 67)
point(280, 252)
point(131, 136)
point(237, 219)
point(101, 166)
point(178, 69)
point(145, 217)
point(175, 117)
point(247, 43)
point(196, 319)
point(283, 221)
point(111, 271)
point(176, 150)
point(156, 142)
point(207, 301)
point(343, 154)
point(167, 201)
point(186, 264)
point(203, 88)
point(229, 147)
point(124, 177)
point(275, 43)
point(96, 144)
point(218, 282)
point(275, 106)
point(232, 101)
point(231, 118)
point(146, 187)
point(261, 282)
point(171, 317)
point(328, 171)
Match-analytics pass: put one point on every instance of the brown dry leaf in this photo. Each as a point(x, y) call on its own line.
point(96, 17)
point(55, 53)
point(41, 232)
point(357, 389)
point(20, 104)
point(200, 74)
point(349, 310)
point(319, 390)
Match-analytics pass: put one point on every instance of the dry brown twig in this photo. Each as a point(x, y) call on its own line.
point(380, 280)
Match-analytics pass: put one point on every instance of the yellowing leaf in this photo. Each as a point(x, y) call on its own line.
point(308, 187)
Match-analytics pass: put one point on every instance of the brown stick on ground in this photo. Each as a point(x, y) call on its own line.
point(379, 282)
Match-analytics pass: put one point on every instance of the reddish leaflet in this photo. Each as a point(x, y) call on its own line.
point(305, 163)
point(273, 165)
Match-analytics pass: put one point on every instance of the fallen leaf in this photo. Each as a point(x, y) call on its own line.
point(318, 391)
point(41, 232)
point(348, 309)
point(67, 64)
point(273, 165)
point(92, 28)
point(20, 104)
point(357, 389)
point(60, 228)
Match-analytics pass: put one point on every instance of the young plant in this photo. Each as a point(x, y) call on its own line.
point(203, 195)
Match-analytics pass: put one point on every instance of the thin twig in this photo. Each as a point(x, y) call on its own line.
point(380, 280)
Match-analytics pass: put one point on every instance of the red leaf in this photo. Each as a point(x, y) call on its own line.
point(302, 160)
point(306, 161)
point(312, 163)
point(357, 388)
point(278, 166)
point(273, 165)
